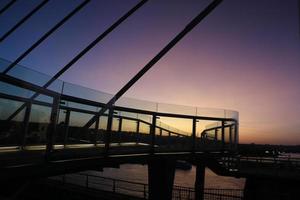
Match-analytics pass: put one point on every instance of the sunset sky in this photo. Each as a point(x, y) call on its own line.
point(244, 56)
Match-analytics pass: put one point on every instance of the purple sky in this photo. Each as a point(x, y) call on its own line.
point(244, 56)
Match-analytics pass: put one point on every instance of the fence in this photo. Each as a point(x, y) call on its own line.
point(141, 189)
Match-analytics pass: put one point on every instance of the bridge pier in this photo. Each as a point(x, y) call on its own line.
point(199, 182)
point(161, 174)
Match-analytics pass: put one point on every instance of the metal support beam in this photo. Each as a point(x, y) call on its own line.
point(120, 129)
point(236, 136)
point(223, 134)
point(66, 131)
point(109, 129)
point(82, 53)
point(52, 127)
point(199, 182)
point(97, 130)
point(45, 36)
point(152, 133)
point(161, 173)
point(194, 129)
point(216, 135)
point(24, 19)
point(230, 136)
point(137, 131)
point(8, 5)
point(25, 125)
point(163, 52)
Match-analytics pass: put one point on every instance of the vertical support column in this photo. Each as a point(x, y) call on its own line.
point(96, 129)
point(52, 126)
point(236, 139)
point(161, 174)
point(67, 122)
point(199, 182)
point(194, 135)
point(230, 136)
point(108, 129)
point(25, 125)
point(137, 131)
point(216, 135)
point(223, 135)
point(120, 129)
point(152, 133)
point(160, 132)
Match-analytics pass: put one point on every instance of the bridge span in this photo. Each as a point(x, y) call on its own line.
point(49, 136)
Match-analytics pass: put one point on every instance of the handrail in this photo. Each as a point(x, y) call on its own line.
point(27, 100)
point(140, 189)
point(27, 85)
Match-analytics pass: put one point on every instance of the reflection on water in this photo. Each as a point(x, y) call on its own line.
point(138, 173)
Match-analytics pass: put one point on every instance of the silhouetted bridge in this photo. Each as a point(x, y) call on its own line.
point(49, 137)
point(50, 127)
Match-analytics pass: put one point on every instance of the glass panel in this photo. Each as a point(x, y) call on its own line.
point(10, 131)
point(38, 125)
point(86, 93)
point(77, 134)
point(61, 128)
point(179, 139)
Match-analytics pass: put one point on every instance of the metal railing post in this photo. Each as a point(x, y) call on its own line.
point(96, 130)
point(137, 131)
point(52, 126)
point(236, 135)
point(194, 135)
point(120, 129)
point(66, 131)
point(223, 135)
point(25, 125)
point(230, 136)
point(109, 129)
point(152, 133)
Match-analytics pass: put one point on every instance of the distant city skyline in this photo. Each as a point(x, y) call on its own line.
point(244, 56)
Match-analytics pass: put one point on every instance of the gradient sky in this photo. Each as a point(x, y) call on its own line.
point(244, 56)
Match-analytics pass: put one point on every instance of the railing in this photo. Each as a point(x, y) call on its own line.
point(246, 162)
point(56, 119)
point(140, 190)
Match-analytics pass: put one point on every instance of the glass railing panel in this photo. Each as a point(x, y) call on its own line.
point(176, 109)
point(85, 93)
point(10, 131)
point(29, 75)
point(77, 134)
point(44, 98)
point(83, 107)
point(61, 128)
point(38, 125)
point(180, 138)
point(211, 112)
point(137, 104)
point(9, 89)
point(144, 129)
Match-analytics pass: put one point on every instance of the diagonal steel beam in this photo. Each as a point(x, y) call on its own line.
point(299, 15)
point(7, 6)
point(152, 62)
point(24, 19)
point(83, 52)
point(45, 36)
